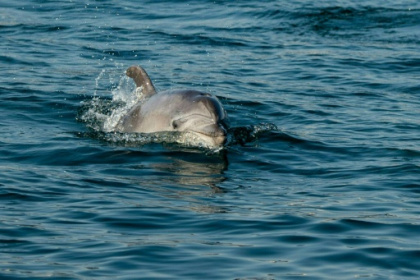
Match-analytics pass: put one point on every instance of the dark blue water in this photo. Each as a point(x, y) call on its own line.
point(332, 193)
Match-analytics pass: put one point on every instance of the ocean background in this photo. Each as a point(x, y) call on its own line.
point(321, 178)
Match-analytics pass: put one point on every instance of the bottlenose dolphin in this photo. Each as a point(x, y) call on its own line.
point(198, 113)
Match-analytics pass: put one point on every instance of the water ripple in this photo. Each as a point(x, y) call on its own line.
point(319, 178)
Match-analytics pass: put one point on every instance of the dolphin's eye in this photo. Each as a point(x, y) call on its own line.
point(174, 125)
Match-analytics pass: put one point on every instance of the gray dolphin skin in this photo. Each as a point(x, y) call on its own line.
point(199, 113)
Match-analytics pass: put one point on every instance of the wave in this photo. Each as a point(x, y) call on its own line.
point(357, 22)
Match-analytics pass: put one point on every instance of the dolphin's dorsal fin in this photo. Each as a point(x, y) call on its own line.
point(141, 79)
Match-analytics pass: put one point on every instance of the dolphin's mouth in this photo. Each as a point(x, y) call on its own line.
point(201, 124)
point(211, 130)
point(213, 134)
point(206, 128)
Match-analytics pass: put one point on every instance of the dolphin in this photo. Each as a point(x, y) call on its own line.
point(198, 113)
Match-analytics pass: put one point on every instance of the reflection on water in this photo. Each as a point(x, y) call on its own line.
point(193, 178)
point(195, 174)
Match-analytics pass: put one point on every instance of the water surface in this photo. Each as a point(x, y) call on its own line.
point(333, 193)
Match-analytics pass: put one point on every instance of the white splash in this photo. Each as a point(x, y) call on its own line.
point(127, 96)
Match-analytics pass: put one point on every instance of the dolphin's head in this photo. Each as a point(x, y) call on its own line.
point(207, 119)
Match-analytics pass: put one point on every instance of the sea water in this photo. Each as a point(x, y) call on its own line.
point(320, 178)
